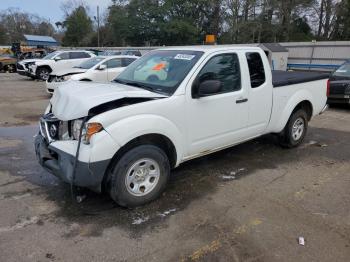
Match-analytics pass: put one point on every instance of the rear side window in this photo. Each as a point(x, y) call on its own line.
point(127, 61)
point(256, 69)
point(64, 56)
point(114, 63)
point(79, 55)
point(224, 68)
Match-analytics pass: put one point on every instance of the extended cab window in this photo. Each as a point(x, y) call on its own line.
point(64, 56)
point(256, 69)
point(224, 68)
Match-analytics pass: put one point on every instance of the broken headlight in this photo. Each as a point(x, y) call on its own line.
point(62, 78)
point(76, 125)
point(89, 129)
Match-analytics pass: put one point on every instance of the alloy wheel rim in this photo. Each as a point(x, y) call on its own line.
point(142, 177)
point(44, 75)
point(298, 128)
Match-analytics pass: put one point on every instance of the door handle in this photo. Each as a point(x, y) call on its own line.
point(241, 100)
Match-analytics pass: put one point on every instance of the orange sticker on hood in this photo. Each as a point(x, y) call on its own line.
point(159, 67)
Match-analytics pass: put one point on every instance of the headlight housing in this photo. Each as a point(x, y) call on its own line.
point(89, 129)
point(75, 128)
point(63, 78)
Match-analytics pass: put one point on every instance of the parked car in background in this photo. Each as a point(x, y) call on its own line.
point(126, 136)
point(27, 59)
point(56, 61)
point(121, 52)
point(339, 89)
point(8, 63)
point(97, 69)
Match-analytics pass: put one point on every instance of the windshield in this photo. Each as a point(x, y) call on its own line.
point(160, 71)
point(90, 63)
point(51, 55)
point(343, 71)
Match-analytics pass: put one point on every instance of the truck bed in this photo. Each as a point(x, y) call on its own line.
point(283, 78)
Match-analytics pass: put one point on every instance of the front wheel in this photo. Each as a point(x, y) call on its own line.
point(139, 176)
point(295, 130)
point(43, 73)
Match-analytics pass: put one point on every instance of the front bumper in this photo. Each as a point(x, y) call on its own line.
point(23, 72)
point(52, 86)
point(61, 164)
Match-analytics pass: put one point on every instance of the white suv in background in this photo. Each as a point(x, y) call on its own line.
point(97, 69)
point(57, 61)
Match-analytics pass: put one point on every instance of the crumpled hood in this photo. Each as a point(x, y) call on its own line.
point(74, 99)
point(69, 71)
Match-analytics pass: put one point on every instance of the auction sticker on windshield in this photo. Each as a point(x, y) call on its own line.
point(184, 57)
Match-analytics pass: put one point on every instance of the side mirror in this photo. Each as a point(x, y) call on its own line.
point(102, 67)
point(57, 58)
point(206, 88)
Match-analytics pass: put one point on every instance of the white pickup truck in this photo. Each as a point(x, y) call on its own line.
point(168, 107)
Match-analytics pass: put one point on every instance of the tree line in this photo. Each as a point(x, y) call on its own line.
point(185, 22)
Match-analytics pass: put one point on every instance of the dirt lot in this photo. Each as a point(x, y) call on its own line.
point(22, 100)
point(247, 203)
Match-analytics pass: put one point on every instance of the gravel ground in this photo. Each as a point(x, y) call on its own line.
point(248, 203)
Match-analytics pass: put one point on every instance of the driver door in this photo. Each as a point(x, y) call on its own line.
point(218, 119)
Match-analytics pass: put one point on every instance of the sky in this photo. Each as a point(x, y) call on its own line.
point(50, 9)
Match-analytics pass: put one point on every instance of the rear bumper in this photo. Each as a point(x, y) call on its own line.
point(338, 99)
point(61, 164)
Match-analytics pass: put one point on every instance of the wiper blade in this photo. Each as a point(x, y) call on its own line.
point(130, 83)
point(139, 85)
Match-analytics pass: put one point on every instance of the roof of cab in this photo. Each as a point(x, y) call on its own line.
point(212, 48)
point(118, 56)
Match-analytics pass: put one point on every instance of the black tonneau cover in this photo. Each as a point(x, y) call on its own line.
point(283, 78)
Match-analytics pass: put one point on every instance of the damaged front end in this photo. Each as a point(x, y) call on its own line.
point(70, 144)
point(56, 146)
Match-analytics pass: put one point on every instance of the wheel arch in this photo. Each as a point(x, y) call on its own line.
point(306, 105)
point(302, 99)
point(44, 66)
point(156, 139)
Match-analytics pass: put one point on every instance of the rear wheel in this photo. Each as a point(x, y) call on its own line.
point(10, 68)
point(139, 176)
point(295, 130)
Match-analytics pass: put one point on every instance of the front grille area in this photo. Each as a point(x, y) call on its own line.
point(53, 129)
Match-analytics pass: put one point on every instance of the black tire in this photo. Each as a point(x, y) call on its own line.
point(43, 73)
point(289, 138)
point(12, 68)
point(117, 182)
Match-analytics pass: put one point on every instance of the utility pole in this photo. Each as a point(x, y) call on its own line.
point(98, 26)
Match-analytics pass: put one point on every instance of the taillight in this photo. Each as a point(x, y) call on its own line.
point(328, 87)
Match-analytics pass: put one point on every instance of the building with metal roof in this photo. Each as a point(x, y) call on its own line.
point(276, 54)
point(40, 40)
